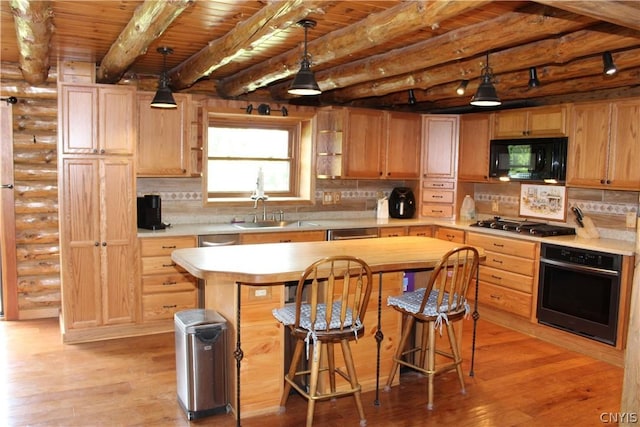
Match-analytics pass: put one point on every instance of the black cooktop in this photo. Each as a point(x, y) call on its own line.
point(523, 226)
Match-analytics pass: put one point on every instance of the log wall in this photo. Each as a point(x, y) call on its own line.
point(35, 133)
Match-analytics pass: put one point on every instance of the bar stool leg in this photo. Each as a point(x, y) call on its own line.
point(406, 332)
point(456, 354)
point(353, 379)
point(332, 367)
point(431, 362)
point(313, 381)
point(295, 361)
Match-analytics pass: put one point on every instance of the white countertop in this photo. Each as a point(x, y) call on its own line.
point(621, 247)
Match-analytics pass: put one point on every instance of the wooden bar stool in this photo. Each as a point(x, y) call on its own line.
point(337, 291)
point(442, 303)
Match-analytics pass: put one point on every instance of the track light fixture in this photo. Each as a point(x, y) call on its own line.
point(533, 78)
point(412, 98)
point(305, 82)
point(164, 97)
point(486, 95)
point(462, 88)
point(265, 110)
point(609, 67)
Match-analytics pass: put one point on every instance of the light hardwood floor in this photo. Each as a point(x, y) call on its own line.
point(519, 381)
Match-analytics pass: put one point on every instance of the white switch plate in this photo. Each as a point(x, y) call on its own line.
point(495, 206)
point(631, 219)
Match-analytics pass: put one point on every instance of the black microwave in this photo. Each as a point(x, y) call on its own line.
point(530, 159)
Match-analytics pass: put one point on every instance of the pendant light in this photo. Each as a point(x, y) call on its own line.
point(164, 97)
point(486, 95)
point(305, 82)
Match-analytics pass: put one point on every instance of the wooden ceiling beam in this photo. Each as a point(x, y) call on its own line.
point(405, 18)
point(560, 50)
point(148, 22)
point(34, 27)
point(623, 13)
point(270, 20)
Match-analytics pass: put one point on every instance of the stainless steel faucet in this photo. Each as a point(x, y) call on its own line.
point(264, 206)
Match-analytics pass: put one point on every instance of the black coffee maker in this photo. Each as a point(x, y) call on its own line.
point(402, 203)
point(150, 212)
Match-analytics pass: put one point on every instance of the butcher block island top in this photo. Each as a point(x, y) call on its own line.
point(245, 283)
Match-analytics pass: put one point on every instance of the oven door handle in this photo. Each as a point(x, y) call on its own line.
point(578, 267)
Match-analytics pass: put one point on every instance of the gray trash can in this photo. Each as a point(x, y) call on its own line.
point(201, 354)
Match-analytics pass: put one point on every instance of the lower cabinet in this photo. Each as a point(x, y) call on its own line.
point(509, 273)
point(450, 234)
point(166, 287)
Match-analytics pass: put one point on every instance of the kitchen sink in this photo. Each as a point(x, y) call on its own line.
point(274, 224)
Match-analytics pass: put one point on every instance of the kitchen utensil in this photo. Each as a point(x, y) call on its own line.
point(579, 215)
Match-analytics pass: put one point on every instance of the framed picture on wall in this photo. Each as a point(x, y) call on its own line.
point(543, 201)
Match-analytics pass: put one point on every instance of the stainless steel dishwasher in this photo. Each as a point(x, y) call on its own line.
point(212, 240)
point(352, 233)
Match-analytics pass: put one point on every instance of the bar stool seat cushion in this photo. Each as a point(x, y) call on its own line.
point(287, 316)
point(411, 302)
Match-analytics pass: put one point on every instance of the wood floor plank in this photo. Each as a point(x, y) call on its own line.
point(519, 381)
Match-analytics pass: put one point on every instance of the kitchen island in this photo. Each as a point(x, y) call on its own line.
point(244, 283)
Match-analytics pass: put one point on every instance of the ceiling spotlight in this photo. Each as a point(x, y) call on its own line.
point(486, 95)
point(164, 97)
point(412, 98)
point(533, 78)
point(609, 67)
point(462, 88)
point(305, 82)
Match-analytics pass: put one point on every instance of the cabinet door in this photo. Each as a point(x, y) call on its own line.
point(440, 146)
point(162, 137)
point(547, 121)
point(78, 108)
point(117, 133)
point(364, 143)
point(119, 255)
point(473, 160)
point(588, 144)
point(81, 244)
point(624, 154)
point(510, 124)
point(404, 138)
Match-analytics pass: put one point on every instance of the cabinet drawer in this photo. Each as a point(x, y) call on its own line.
point(165, 245)
point(507, 279)
point(160, 265)
point(515, 264)
point(450, 234)
point(165, 305)
point(392, 231)
point(504, 245)
point(421, 230)
point(505, 299)
point(282, 237)
point(435, 196)
point(441, 185)
point(168, 283)
point(439, 211)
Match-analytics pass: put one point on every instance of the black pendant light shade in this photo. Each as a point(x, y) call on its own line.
point(164, 97)
point(533, 78)
point(609, 67)
point(305, 81)
point(486, 95)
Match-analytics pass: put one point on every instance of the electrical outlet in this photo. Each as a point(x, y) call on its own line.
point(631, 219)
point(327, 198)
point(337, 196)
point(495, 205)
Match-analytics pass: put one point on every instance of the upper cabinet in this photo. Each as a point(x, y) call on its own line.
point(163, 137)
point(604, 146)
point(404, 139)
point(531, 122)
point(365, 138)
point(473, 155)
point(329, 142)
point(97, 119)
point(440, 147)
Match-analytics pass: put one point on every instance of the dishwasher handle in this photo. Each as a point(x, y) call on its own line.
point(206, 244)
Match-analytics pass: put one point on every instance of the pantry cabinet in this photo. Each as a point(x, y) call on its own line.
point(473, 156)
point(604, 146)
point(163, 147)
point(531, 122)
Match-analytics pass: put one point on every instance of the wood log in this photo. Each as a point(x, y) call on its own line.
point(32, 220)
point(270, 20)
point(37, 252)
point(12, 71)
point(44, 172)
point(39, 300)
point(40, 189)
point(33, 157)
point(34, 27)
point(36, 107)
point(396, 21)
point(37, 268)
point(148, 22)
point(23, 89)
point(34, 123)
point(623, 13)
point(35, 205)
point(36, 284)
point(36, 141)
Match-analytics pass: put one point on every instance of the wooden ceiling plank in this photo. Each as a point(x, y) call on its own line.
point(148, 22)
point(623, 13)
point(247, 35)
point(34, 27)
point(377, 28)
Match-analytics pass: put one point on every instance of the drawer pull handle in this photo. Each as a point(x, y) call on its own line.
point(436, 211)
point(168, 283)
point(450, 236)
point(436, 197)
point(495, 296)
point(493, 276)
point(169, 247)
point(285, 241)
point(496, 261)
point(421, 234)
point(173, 264)
point(169, 306)
point(498, 246)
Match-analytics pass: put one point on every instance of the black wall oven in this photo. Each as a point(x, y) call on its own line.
point(579, 291)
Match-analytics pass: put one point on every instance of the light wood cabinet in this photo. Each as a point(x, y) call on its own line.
point(402, 148)
point(508, 276)
point(531, 122)
point(97, 119)
point(329, 142)
point(364, 146)
point(421, 230)
point(283, 237)
point(163, 147)
point(392, 231)
point(98, 245)
point(166, 287)
point(473, 156)
point(604, 146)
point(440, 147)
point(450, 234)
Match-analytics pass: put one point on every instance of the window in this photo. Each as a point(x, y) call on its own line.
point(238, 149)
